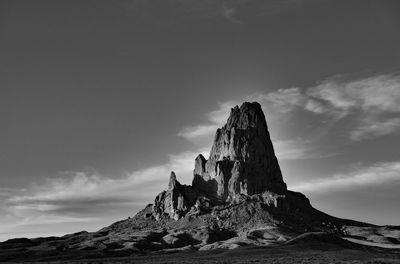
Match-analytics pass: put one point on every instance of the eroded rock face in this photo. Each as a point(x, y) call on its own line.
point(242, 158)
point(173, 202)
point(179, 200)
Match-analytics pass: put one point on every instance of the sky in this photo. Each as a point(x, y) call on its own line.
point(101, 100)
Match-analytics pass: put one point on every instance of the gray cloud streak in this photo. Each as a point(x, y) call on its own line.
point(376, 174)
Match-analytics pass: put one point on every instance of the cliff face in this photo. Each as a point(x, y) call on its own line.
point(180, 200)
point(242, 158)
point(242, 163)
point(175, 201)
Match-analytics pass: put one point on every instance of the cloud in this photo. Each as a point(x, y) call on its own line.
point(377, 94)
point(298, 149)
point(375, 128)
point(7, 192)
point(77, 189)
point(278, 102)
point(194, 132)
point(290, 149)
point(215, 119)
point(54, 219)
point(81, 197)
point(377, 174)
point(220, 115)
point(315, 106)
point(229, 13)
point(369, 103)
point(282, 100)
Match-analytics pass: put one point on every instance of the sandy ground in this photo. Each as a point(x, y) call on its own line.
point(285, 255)
point(372, 244)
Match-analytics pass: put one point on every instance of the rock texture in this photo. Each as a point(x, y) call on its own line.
point(180, 200)
point(175, 201)
point(242, 158)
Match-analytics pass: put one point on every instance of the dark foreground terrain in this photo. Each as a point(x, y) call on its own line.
point(307, 248)
point(284, 255)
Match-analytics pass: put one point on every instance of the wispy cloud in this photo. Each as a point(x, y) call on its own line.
point(215, 119)
point(193, 132)
point(296, 149)
point(369, 102)
point(375, 128)
point(276, 103)
point(7, 192)
point(230, 13)
point(282, 100)
point(375, 94)
point(374, 175)
point(75, 189)
point(79, 197)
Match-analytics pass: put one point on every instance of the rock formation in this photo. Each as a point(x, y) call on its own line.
point(174, 201)
point(179, 200)
point(242, 158)
point(242, 162)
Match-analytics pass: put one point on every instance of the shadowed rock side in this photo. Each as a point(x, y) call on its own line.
point(242, 158)
point(180, 200)
point(237, 198)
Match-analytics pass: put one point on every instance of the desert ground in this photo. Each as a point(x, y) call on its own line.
point(287, 255)
point(308, 249)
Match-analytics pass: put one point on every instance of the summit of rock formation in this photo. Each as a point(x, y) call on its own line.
point(242, 159)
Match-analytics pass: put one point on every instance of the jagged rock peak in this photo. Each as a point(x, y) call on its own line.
point(173, 182)
point(178, 200)
point(247, 116)
point(242, 159)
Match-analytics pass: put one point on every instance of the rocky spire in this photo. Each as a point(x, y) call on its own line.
point(242, 158)
point(176, 201)
point(173, 182)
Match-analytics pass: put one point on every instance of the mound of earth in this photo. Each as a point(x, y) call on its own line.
point(322, 240)
point(237, 198)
